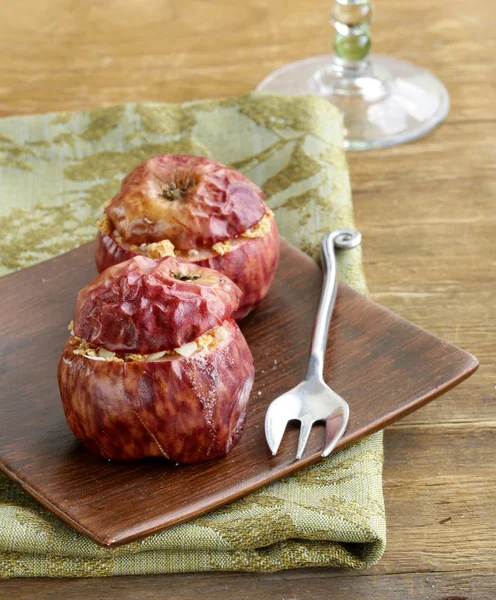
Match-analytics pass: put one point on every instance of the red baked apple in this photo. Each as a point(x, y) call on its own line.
point(155, 365)
point(197, 210)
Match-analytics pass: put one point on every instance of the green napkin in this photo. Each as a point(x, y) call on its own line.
point(56, 171)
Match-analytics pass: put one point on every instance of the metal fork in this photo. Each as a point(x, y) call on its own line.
point(312, 400)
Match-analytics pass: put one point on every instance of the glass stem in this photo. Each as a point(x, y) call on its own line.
point(351, 20)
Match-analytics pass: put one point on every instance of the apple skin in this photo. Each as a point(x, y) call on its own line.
point(138, 306)
point(251, 265)
point(108, 252)
point(192, 201)
point(187, 410)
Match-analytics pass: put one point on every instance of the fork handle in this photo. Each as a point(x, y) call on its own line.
point(344, 239)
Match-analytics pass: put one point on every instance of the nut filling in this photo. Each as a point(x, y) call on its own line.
point(166, 247)
point(205, 342)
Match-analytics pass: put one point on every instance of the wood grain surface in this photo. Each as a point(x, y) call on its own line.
point(384, 366)
point(427, 213)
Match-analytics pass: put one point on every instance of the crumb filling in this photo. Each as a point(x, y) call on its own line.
point(166, 247)
point(208, 340)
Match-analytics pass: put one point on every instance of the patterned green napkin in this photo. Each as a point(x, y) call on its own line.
point(56, 171)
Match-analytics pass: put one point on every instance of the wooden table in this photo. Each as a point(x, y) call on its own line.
point(427, 211)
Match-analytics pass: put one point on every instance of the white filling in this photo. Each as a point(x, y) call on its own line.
point(155, 356)
point(187, 349)
point(207, 340)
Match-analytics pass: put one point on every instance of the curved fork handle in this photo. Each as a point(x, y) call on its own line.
point(344, 239)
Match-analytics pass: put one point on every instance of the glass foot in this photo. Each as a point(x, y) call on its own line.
point(385, 101)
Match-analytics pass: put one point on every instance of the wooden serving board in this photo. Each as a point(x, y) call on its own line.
point(384, 366)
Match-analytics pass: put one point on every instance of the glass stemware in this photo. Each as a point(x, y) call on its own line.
point(384, 100)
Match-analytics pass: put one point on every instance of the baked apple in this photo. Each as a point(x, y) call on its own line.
point(197, 210)
point(155, 365)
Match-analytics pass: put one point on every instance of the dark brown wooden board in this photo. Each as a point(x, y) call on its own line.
point(383, 365)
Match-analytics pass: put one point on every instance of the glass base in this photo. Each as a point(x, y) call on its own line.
point(384, 101)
